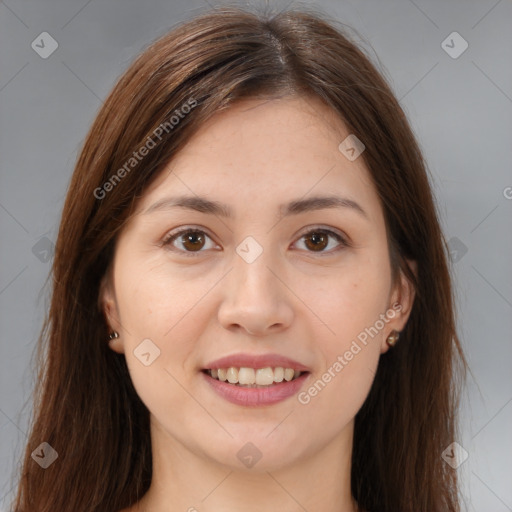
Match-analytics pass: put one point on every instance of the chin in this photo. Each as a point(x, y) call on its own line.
point(257, 452)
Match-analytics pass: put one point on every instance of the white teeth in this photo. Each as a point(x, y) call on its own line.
point(246, 376)
point(232, 375)
point(288, 374)
point(278, 374)
point(254, 377)
point(264, 376)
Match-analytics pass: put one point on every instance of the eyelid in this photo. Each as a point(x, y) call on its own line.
point(182, 229)
point(326, 229)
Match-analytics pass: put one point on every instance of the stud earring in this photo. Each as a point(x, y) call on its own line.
point(113, 335)
point(392, 338)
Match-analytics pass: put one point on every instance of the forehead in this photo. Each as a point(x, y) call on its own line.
point(266, 151)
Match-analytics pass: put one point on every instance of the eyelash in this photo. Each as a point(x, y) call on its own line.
point(167, 241)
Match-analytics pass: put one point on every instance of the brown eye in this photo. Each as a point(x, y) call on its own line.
point(193, 240)
point(188, 241)
point(318, 240)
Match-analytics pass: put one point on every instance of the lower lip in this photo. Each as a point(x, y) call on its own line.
point(254, 397)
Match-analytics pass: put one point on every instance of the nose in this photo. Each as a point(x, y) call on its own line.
point(255, 298)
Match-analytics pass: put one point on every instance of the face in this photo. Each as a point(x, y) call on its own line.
point(280, 282)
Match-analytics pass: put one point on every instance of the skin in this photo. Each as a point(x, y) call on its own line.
point(292, 300)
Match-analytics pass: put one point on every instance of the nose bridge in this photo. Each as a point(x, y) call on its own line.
point(254, 297)
point(251, 272)
point(260, 279)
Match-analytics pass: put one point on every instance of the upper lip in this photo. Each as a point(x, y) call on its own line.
point(256, 361)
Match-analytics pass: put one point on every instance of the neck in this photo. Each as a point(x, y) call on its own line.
point(187, 481)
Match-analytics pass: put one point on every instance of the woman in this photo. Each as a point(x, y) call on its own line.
point(252, 307)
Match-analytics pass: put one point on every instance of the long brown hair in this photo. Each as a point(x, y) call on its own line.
point(85, 405)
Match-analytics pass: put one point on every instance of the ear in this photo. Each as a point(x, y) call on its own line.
point(400, 302)
point(108, 305)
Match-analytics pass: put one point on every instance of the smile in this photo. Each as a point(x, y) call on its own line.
point(254, 377)
point(255, 387)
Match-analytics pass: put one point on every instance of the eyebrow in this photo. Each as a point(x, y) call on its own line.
point(204, 205)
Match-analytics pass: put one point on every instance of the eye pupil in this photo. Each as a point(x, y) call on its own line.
point(319, 241)
point(194, 238)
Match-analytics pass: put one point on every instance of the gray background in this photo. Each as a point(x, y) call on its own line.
point(460, 109)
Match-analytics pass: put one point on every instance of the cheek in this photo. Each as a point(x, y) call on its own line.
point(350, 301)
point(170, 307)
point(151, 298)
point(349, 354)
point(157, 307)
point(352, 305)
point(333, 398)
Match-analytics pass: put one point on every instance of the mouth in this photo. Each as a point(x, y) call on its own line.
point(255, 380)
point(254, 377)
